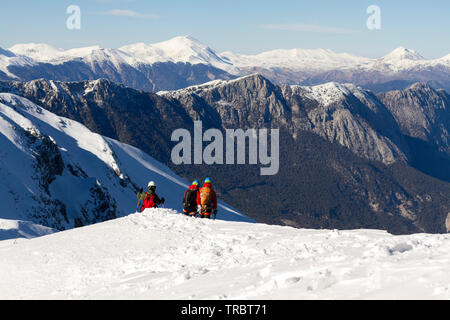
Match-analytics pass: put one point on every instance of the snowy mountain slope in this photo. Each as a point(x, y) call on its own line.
point(162, 255)
point(43, 53)
point(402, 54)
point(12, 229)
point(37, 51)
point(56, 173)
point(332, 92)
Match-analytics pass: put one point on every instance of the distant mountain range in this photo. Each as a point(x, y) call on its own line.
point(348, 158)
point(184, 61)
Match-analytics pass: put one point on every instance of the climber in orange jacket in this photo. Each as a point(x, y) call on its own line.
point(207, 200)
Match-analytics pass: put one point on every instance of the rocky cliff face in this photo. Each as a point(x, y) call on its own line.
point(342, 114)
point(421, 112)
point(355, 119)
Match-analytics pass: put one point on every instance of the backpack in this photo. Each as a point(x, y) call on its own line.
point(190, 199)
point(149, 201)
point(205, 199)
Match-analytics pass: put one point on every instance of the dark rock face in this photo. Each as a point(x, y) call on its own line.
point(345, 154)
point(48, 165)
point(353, 118)
point(100, 207)
point(422, 112)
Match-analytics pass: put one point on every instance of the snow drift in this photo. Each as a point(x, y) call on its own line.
point(160, 254)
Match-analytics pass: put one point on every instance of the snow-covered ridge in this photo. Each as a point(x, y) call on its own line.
point(13, 229)
point(179, 49)
point(43, 53)
point(403, 53)
point(316, 60)
point(204, 86)
point(187, 49)
point(55, 172)
point(37, 51)
point(162, 255)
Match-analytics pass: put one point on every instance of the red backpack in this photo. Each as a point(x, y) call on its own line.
point(149, 201)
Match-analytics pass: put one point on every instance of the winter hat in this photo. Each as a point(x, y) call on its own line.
point(207, 180)
point(195, 183)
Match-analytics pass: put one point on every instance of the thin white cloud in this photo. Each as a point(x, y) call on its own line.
point(129, 13)
point(308, 28)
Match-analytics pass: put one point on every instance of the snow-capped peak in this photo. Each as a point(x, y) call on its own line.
point(402, 53)
point(187, 48)
point(179, 49)
point(183, 41)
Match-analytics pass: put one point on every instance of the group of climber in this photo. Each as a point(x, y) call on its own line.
point(200, 201)
point(197, 202)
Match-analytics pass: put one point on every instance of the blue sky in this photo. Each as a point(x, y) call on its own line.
point(245, 26)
